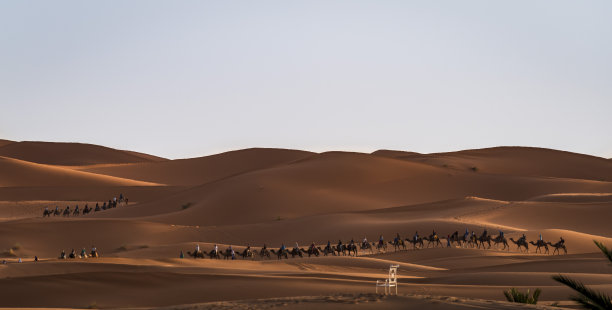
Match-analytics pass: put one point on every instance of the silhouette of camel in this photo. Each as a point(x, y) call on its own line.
point(520, 243)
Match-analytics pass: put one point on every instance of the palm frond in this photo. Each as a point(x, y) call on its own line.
point(604, 249)
point(587, 295)
point(586, 303)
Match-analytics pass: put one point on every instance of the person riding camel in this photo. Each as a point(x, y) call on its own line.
point(416, 236)
point(561, 241)
point(72, 254)
point(339, 244)
point(265, 247)
point(365, 242)
point(466, 235)
point(282, 248)
point(523, 238)
point(197, 248)
point(434, 234)
point(501, 233)
point(312, 246)
point(540, 237)
point(297, 247)
point(94, 251)
point(397, 238)
point(484, 233)
point(381, 240)
point(328, 245)
point(83, 254)
point(63, 255)
point(352, 242)
point(216, 250)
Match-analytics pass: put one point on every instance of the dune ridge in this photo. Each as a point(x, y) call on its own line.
point(71, 154)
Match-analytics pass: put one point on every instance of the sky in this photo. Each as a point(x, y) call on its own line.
point(191, 78)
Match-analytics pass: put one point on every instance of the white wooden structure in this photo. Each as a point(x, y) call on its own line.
point(390, 282)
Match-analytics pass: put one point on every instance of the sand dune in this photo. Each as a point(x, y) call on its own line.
point(338, 182)
point(274, 196)
point(196, 171)
point(19, 173)
point(5, 142)
point(71, 154)
point(525, 161)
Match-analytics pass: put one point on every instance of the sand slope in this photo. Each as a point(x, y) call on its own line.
point(19, 173)
point(196, 171)
point(56, 153)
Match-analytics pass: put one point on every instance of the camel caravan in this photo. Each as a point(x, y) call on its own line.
point(83, 254)
point(467, 240)
point(112, 203)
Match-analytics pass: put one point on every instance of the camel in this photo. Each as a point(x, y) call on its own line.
point(198, 254)
point(47, 213)
point(557, 246)
point(480, 241)
point(351, 247)
point(472, 241)
point(501, 239)
point(366, 246)
point(57, 211)
point(66, 212)
point(455, 238)
point(380, 246)
point(521, 242)
point(76, 211)
point(296, 252)
point(281, 253)
point(227, 254)
point(339, 249)
point(398, 244)
point(328, 250)
point(213, 254)
point(247, 253)
point(540, 244)
point(433, 239)
point(264, 252)
point(312, 250)
point(416, 244)
point(86, 210)
point(94, 254)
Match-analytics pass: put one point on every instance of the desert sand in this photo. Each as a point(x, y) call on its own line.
point(273, 196)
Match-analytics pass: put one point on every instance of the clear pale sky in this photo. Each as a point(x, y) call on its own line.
point(191, 78)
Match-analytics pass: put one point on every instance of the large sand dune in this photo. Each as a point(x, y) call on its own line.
point(275, 196)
